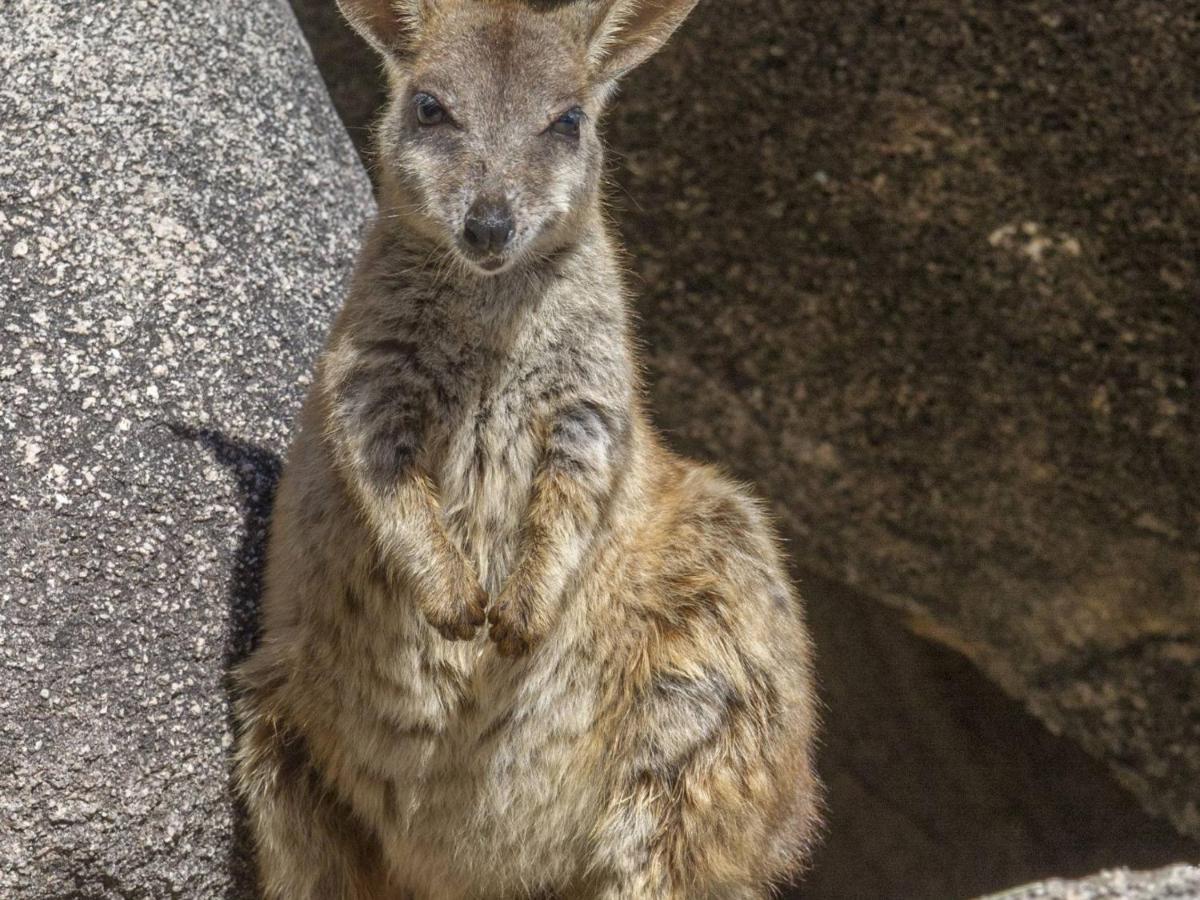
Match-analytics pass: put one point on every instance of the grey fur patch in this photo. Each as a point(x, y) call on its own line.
point(684, 715)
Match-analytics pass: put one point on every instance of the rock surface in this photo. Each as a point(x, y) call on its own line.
point(179, 206)
point(1175, 883)
point(942, 787)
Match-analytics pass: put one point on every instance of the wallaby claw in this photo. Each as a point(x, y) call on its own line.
point(510, 627)
point(460, 621)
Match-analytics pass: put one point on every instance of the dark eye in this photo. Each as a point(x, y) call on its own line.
point(568, 123)
point(429, 111)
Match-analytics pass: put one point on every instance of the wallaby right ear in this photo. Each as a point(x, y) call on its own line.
point(390, 26)
point(627, 32)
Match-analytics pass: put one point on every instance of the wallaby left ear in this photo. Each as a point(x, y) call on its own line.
point(390, 26)
point(625, 33)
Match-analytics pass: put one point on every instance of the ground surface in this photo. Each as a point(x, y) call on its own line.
point(1174, 883)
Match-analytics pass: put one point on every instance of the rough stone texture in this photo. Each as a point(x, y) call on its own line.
point(942, 787)
point(178, 210)
point(1175, 883)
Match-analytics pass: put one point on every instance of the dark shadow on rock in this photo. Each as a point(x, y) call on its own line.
point(257, 471)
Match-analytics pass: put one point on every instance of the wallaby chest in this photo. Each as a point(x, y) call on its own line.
point(485, 449)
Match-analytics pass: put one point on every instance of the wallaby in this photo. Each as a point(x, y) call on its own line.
point(512, 646)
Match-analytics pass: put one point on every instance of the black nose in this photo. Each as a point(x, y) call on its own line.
point(489, 225)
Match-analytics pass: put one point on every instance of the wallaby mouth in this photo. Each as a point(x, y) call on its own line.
point(485, 264)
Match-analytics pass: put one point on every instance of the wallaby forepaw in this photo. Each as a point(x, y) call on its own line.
point(459, 621)
point(511, 623)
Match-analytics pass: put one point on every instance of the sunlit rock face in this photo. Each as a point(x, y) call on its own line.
point(1174, 883)
point(179, 207)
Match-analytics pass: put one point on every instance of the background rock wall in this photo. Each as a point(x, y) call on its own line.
point(178, 210)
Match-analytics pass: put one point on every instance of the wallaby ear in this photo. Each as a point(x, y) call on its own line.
point(390, 26)
point(626, 33)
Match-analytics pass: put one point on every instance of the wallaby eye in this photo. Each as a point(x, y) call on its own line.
point(568, 123)
point(429, 111)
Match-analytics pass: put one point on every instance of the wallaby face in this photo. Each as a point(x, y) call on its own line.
point(489, 144)
point(491, 132)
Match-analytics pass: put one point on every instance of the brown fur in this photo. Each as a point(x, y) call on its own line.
point(513, 647)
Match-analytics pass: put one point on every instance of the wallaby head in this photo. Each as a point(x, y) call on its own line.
point(488, 147)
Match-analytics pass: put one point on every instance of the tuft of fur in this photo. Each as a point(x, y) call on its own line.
point(513, 646)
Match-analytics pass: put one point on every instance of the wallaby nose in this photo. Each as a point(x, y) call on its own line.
point(489, 225)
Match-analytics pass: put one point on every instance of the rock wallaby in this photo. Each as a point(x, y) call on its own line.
point(512, 646)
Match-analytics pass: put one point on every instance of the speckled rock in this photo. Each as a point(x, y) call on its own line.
point(1175, 883)
point(931, 282)
point(179, 207)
